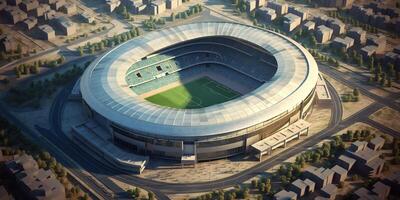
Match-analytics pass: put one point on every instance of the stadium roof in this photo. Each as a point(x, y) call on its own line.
point(105, 90)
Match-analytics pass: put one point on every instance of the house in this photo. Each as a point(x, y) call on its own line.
point(393, 180)
point(396, 49)
point(3, 5)
point(393, 58)
point(301, 187)
point(308, 26)
point(28, 5)
point(321, 19)
point(111, 5)
point(8, 43)
point(29, 23)
point(21, 163)
point(251, 5)
point(14, 14)
point(337, 3)
point(329, 191)
point(46, 32)
point(302, 13)
point(41, 184)
point(135, 6)
point(157, 7)
point(14, 2)
point(280, 8)
point(172, 4)
point(363, 193)
point(358, 146)
point(285, 195)
point(266, 14)
point(368, 162)
point(57, 4)
point(345, 162)
point(65, 25)
point(368, 51)
point(320, 176)
point(50, 15)
point(358, 34)
point(86, 17)
point(323, 34)
point(41, 9)
point(340, 174)
point(379, 41)
point(342, 43)
point(376, 143)
point(381, 189)
point(337, 26)
point(69, 9)
point(290, 22)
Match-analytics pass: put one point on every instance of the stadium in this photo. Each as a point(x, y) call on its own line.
point(207, 90)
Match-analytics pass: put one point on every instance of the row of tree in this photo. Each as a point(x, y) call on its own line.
point(34, 68)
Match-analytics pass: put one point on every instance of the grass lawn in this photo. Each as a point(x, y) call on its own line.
point(199, 93)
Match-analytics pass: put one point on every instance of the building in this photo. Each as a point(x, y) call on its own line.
point(41, 9)
point(329, 191)
point(86, 17)
point(157, 7)
point(381, 189)
point(280, 8)
point(64, 25)
point(342, 43)
point(320, 19)
point(46, 32)
point(396, 49)
point(266, 14)
point(50, 15)
point(14, 14)
point(358, 34)
point(29, 23)
point(290, 22)
point(111, 5)
point(301, 187)
point(345, 162)
point(196, 132)
point(320, 176)
point(376, 143)
point(34, 183)
point(368, 162)
point(368, 51)
point(285, 195)
point(393, 58)
point(323, 34)
point(57, 5)
point(340, 174)
point(28, 5)
point(379, 41)
point(323, 97)
point(302, 13)
point(358, 146)
point(136, 6)
point(14, 2)
point(8, 43)
point(337, 3)
point(393, 181)
point(251, 5)
point(69, 9)
point(3, 5)
point(309, 26)
point(172, 4)
point(261, 3)
point(337, 26)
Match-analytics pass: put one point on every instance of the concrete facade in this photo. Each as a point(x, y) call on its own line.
point(358, 34)
point(46, 32)
point(291, 21)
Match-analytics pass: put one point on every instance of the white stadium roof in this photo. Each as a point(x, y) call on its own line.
point(105, 90)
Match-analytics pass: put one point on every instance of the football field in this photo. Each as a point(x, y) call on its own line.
point(198, 93)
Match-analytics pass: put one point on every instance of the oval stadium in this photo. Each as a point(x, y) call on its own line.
point(208, 89)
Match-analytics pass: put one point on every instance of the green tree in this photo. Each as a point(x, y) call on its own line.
point(356, 92)
point(151, 196)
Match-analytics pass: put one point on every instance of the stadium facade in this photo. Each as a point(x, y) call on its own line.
point(281, 84)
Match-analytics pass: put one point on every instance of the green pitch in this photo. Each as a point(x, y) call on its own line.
point(199, 93)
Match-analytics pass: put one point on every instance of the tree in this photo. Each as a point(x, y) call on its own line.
point(172, 17)
point(313, 41)
point(254, 183)
point(371, 64)
point(151, 196)
point(316, 157)
point(356, 92)
point(80, 49)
